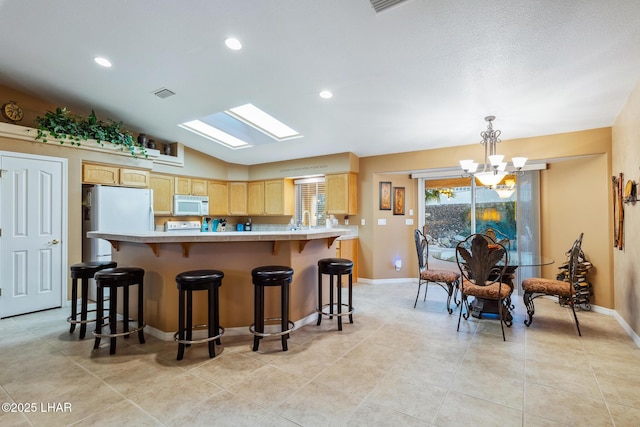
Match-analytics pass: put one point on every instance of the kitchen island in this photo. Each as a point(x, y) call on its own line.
point(163, 255)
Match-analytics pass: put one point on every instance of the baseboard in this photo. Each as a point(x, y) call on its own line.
point(387, 281)
point(627, 328)
point(237, 331)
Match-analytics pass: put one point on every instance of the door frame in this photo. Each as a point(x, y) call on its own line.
point(64, 232)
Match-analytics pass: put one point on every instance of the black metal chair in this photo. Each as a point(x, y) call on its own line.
point(483, 266)
point(447, 280)
point(535, 287)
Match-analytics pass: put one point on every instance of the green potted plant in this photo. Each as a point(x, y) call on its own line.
point(66, 126)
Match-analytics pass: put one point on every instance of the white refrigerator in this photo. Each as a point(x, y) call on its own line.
point(118, 210)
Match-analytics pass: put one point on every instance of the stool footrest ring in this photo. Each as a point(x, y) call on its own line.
point(203, 340)
point(70, 319)
point(252, 329)
point(119, 334)
point(325, 306)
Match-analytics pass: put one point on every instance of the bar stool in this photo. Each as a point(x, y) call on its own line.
point(335, 267)
point(83, 271)
point(272, 275)
point(114, 278)
point(198, 280)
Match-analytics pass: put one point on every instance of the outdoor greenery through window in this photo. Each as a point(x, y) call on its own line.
point(310, 202)
point(449, 210)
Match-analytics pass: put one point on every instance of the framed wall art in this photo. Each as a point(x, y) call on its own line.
point(385, 196)
point(398, 200)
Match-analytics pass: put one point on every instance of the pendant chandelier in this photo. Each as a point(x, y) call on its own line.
point(493, 169)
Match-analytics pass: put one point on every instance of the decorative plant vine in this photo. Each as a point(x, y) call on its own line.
point(66, 126)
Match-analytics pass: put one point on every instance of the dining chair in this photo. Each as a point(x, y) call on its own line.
point(535, 287)
point(447, 280)
point(483, 265)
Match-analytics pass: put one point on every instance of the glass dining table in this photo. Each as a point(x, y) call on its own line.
point(480, 306)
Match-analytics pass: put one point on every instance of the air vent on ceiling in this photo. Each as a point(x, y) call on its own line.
point(380, 5)
point(163, 93)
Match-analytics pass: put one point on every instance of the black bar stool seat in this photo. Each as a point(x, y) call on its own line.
point(114, 278)
point(198, 280)
point(271, 275)
point(83, 271)
point(335, 267)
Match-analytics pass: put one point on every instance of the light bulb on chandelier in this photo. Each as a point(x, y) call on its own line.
point(493, 169)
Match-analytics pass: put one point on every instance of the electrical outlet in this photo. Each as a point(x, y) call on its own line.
point(362, 221)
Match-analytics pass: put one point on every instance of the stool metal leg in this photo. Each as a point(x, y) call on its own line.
point(284, 298)
point(216, 309)
point(211, 322)
point(339, 291)
point(330, 295)
point(74, 304)
point(258, 315)
point(84, 307)
point(125, 310)
point(181, 315)
point(99, 316)
point(113, 317)
point(189, 317)
point(350, 297)
point(319, 298)
point(140, 312)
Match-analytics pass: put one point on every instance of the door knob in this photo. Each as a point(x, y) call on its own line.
point(54, 242)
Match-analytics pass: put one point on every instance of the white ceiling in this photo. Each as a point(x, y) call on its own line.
point(422, 74)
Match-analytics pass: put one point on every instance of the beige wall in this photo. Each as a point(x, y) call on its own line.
point(380, 244)
point(626, 159)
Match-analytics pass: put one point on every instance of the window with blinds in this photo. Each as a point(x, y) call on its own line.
point(310, 202)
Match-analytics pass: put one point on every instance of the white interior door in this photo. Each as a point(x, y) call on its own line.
point(32, 209)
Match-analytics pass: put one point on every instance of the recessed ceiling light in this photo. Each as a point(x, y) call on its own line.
point(205, 130)
point(258, 119)
point(233, 43)
point(326, 94)
point(102, 61)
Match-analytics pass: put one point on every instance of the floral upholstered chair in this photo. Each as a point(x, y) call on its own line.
point(447, 280)
point(535, 287)
point(483, 265)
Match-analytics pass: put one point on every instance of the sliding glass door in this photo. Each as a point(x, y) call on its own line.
point(453, 208)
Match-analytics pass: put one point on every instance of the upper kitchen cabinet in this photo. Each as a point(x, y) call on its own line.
point(279, 197)
point(162, 186)
point(237, 198)
point(100, 174)
point(342, 194)
point(134, 178)
point(218, 192)
point(95, 173)
point(255, 198)
point(190, 186)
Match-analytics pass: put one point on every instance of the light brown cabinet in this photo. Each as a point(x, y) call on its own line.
point(342, 194)
point(255, 198)
point(163, 187)
point(190, 186)
point(218, 192)
point(237, 198)
point(348, 249)
point(100, 174)
point(134, 178)
point(94, 173)
point(279, 197)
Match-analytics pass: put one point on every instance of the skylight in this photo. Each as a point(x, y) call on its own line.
point(214, 134)
point(258, 119)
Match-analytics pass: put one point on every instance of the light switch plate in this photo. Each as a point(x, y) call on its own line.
point(408, 221)
point(410, 212)
point(362, 221)
point(382, 221)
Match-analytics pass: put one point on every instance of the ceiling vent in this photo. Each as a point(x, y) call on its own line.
point(163, 93)
point(381, 5)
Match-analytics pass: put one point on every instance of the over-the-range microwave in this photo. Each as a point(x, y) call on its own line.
point(190, 205)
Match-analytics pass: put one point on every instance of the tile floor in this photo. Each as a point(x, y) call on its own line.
point(395, 366)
